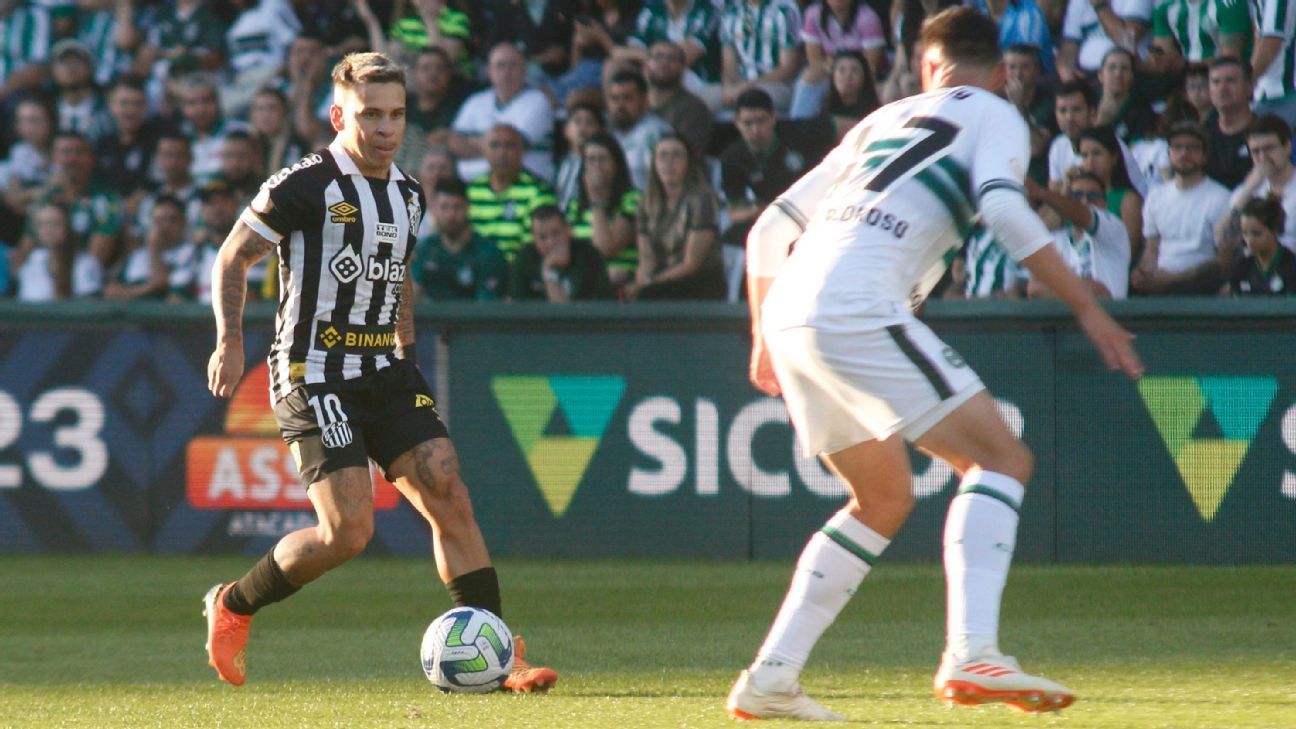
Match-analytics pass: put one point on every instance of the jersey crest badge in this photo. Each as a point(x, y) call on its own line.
point(415, 211)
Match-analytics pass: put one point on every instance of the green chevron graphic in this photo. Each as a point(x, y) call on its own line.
point(535, 407)
point(1207, 465)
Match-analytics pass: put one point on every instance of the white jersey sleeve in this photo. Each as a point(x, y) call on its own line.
point(999, 164)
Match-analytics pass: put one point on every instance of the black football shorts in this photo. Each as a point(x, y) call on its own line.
point(330, 426)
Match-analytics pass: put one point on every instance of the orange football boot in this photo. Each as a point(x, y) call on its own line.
point(525, 678)
point(227, 635)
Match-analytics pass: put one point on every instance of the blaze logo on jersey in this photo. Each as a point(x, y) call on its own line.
point(343, 212)
point(385, 270)
point(346, 265)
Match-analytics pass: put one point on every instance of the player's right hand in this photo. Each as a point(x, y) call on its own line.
point(225, 369)
point(761, 370)
point(1115, 345)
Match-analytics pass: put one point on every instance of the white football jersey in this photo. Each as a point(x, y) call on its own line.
point(891, 206)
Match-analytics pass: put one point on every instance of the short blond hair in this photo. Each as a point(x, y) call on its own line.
point(366, 68)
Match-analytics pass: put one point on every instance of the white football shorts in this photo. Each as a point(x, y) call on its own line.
point(846, 388)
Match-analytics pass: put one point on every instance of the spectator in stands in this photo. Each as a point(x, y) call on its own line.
point(507, 101)
point(1101, 157)
point(831, 27)
point(1199, 31)
point(436, 93)
point(760, 44)
point(242, 161)
point(1035, 103)
point(1268, 268)
point(125, 153)
point(1196, 89)
point(1074, 104)
point(220, 211)
point(1092, 241)
point(418, 25)
point(28, 167)
point(757, 167)
point(604, 208)
point(1129, 115)
point(172, 161)
point(269, 121)
point(110, 30)
point(186, 34)
point(309, 90)
point(1180, 255)
point(1273, 60)
point(988, 272)
point(583, 121)
point(438, 165)
point(94, 209)
point(1230, 91)
point(456, 262)
point(256, 44)
point(206, 129)
point(80, 106)
point(668, 99)
point(635, 128)
point(500, 201)
point(678, 229)
point(693, 25)
point(542, 31)
point(25, 55)
point(1269, 140)
point(601, 27)
point(54, 267)
point(852, 93)
point(557, 267)
point(334, 23)
point(161, 268)
point(1093, 27)
point(1022, 23)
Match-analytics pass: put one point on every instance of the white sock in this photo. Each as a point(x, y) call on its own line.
point(833, 564)
point(980, 534)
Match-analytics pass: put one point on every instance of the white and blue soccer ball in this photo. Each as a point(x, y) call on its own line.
point(467, 650)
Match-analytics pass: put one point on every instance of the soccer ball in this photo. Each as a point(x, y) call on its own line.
point(467, 650)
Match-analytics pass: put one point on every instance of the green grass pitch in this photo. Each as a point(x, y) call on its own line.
point(117, 642)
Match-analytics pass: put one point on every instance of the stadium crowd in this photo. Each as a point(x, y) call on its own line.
point(620, 149)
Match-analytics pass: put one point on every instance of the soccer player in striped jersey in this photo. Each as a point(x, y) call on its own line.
point(343, 379)
point(874, 225)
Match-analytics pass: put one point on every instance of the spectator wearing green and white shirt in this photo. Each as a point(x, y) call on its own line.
point(1273, 58)
point(693, 25)
point(760, 45)
point(1199, 31)
point(25, 40)
point(95, 210)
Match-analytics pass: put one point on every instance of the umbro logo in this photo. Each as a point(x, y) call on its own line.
point(423, 401)
point(343, 212)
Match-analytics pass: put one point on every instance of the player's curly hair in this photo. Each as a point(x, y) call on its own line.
point(367, 68)
point(964, 35)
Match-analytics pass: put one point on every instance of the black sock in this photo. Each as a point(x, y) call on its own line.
point(479, 588)
point(265, 583)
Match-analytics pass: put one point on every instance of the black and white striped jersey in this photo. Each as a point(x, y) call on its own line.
point(345, 243)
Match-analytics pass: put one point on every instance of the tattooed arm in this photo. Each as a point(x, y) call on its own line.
point(405, 321)
point(240, 250)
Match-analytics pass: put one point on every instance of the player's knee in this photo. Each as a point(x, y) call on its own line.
point(449, 504)
point(348, 538)
point(1014, 460)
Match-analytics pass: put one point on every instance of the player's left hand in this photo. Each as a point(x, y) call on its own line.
point(225, 369)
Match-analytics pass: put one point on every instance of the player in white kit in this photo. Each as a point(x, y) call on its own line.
point(870, 231)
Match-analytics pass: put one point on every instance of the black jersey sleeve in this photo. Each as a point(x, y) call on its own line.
point(285, 201)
